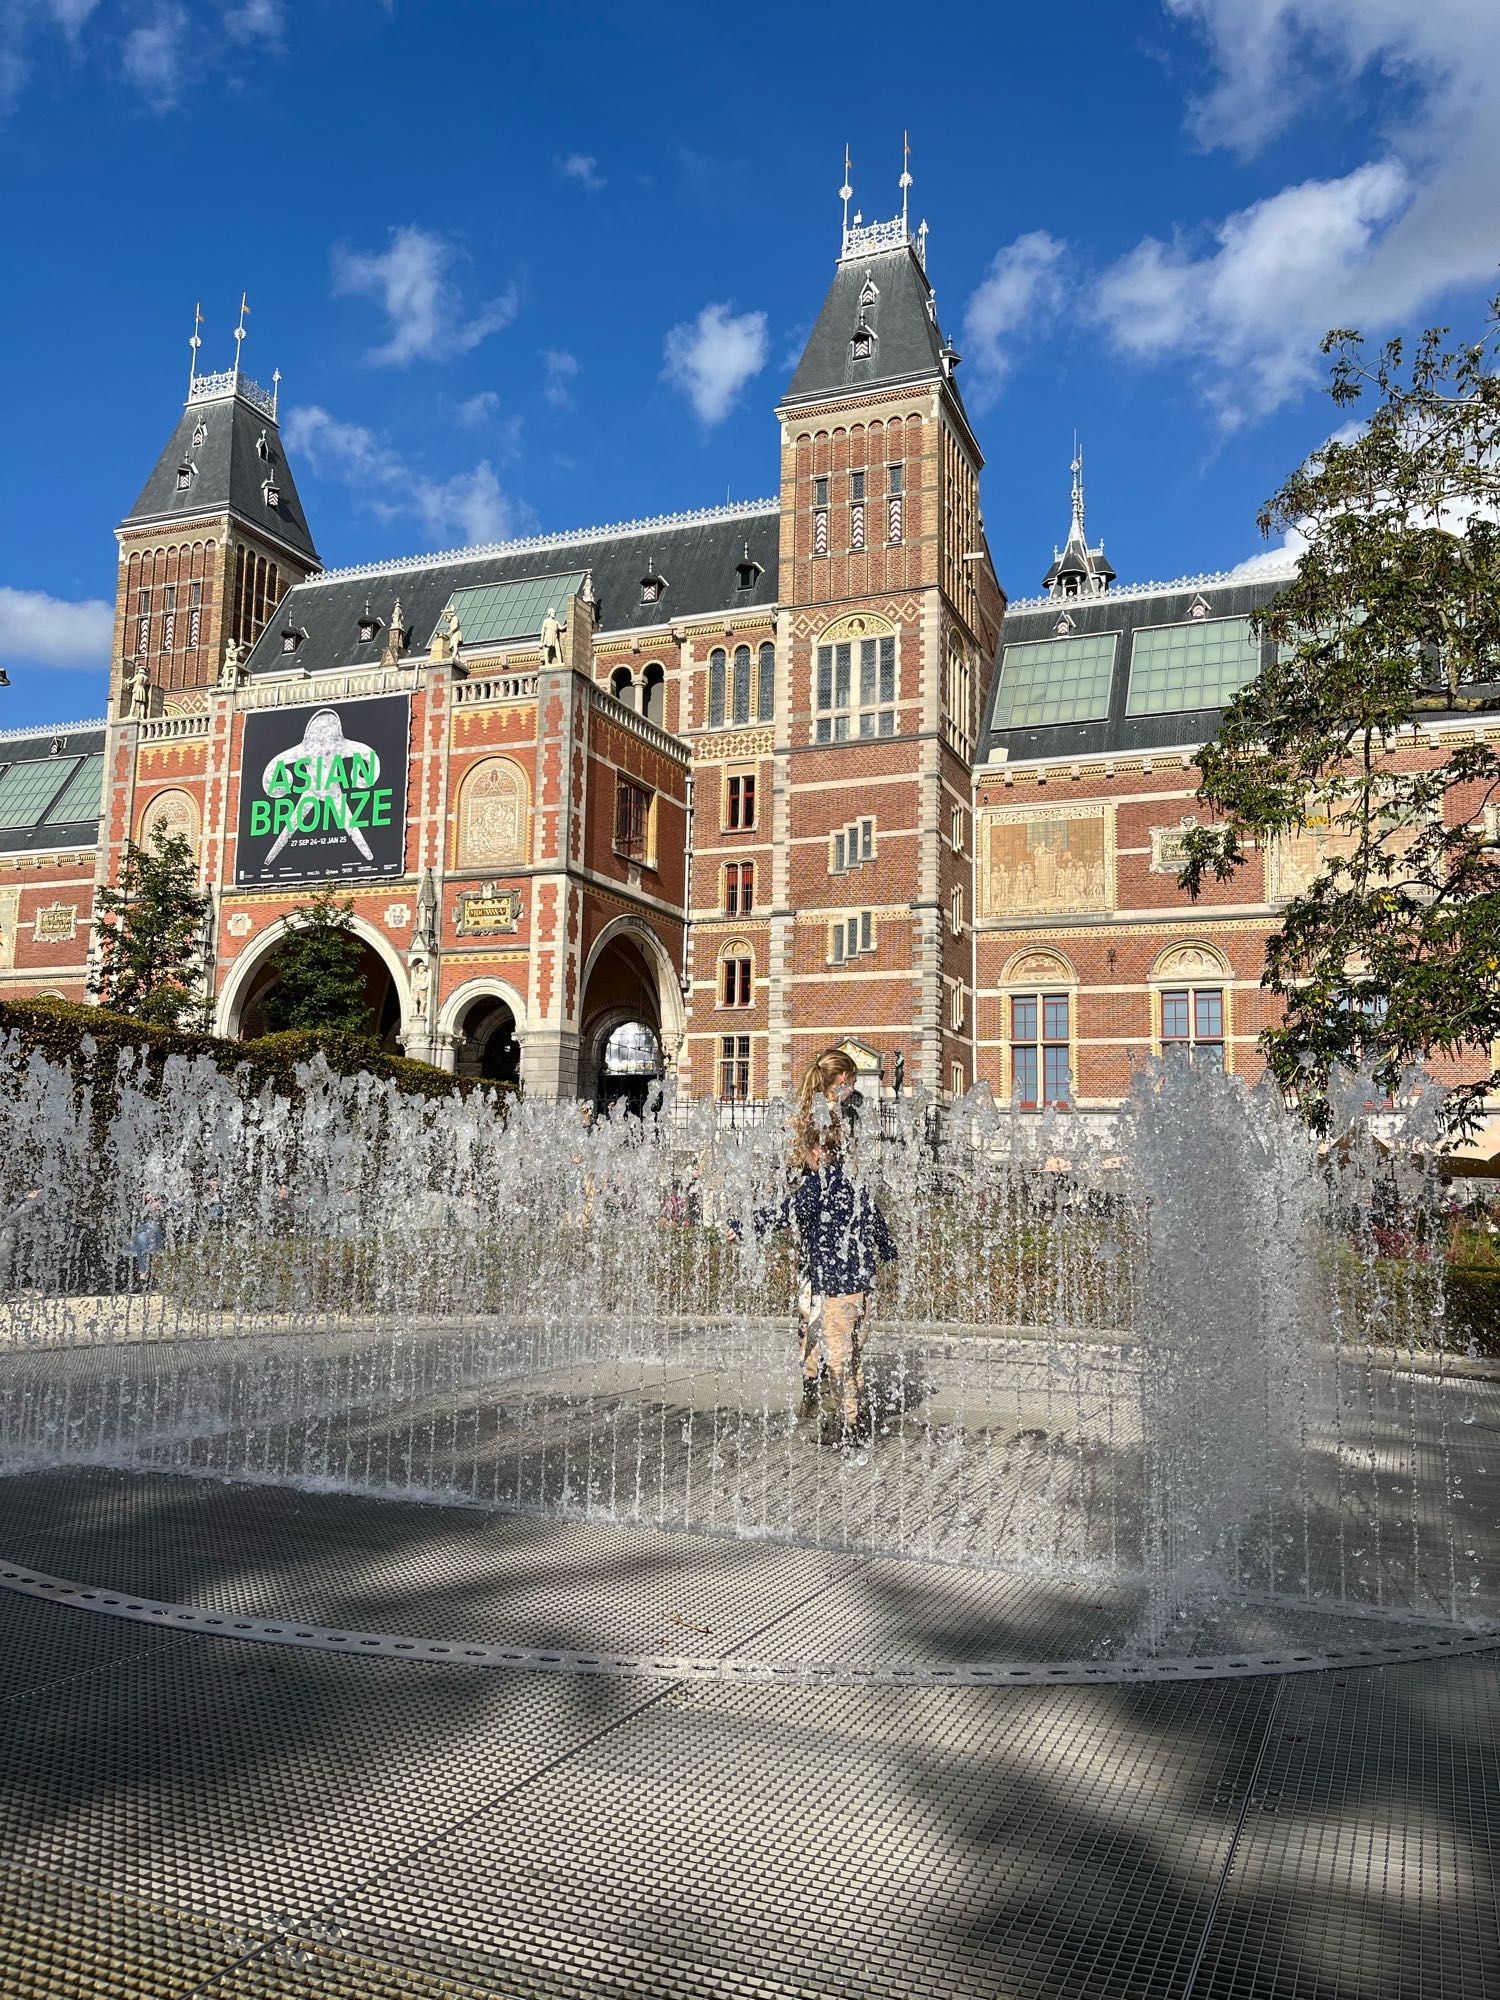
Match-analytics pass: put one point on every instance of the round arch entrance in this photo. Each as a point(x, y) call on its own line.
point(485, 1021)
point(242, 1003)
point(631, 1018)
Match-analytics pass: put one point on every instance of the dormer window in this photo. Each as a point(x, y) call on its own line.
point(291, 638)
point(184, 476)
point(746, 570)
point(863, 345)
point(369, 629)
point(272, 493)
point(652, 586)
point(200, 435)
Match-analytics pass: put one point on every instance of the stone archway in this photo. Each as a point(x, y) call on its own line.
point(628, 982)
point(484, 1022)
point(239, 1014)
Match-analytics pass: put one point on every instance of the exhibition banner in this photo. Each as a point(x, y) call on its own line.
point(323, 791)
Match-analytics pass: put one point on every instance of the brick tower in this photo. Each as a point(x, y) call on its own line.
point(214, 542)
point(889, 615)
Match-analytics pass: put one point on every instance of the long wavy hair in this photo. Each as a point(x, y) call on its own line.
point(812, 1126)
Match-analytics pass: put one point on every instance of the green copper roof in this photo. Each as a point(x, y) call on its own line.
point(1201, 664)
point(491, 613)
point(1055, 680)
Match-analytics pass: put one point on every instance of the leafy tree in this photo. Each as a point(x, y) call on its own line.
point(149, 935)
point(1393, 952)
point(321, 970)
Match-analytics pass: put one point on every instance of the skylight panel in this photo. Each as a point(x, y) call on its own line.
point(1055, 680)
point(83, 794)
point(27, 789)
point(1202, 664)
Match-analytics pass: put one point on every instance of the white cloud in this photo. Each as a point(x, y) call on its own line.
point(1275, 562)
point(476, 410)
point(412, 282)
point(560, 369)
point(70, 15)
point(256, 21)
point(152, 53)
point(712, 357)
point(53, 631)
point(1371, 248)
point(466, 507)
point(1019, 294)
point(583, 168)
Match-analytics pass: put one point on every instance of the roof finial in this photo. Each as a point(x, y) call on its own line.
point(845, 192)
point(905, 181)
point(275, 390)
point(1077, 471)
point(195, 343)
point(240, 330)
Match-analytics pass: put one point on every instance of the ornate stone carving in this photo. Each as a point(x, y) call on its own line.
point(240, 924)
point(1168, 846)
point(55, 923)
point(171, 812)
point(1045, 968)
point(858, 625)
point(492, 815)
point(1190, 961)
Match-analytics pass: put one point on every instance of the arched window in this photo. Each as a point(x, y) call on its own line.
point(717, 661)
point(654, 694)
point(493, 804)
point(741, 684)
point(736, 974)
point(622, 686)
point(854, 680)
point(766, 693)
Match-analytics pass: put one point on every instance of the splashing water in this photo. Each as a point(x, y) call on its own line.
point(1180, 1357)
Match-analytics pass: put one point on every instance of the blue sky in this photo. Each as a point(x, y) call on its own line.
point(532, 267)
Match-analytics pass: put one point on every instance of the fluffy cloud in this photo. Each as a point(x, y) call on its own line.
point(1251, 307)
point(1371, 248)
point(559, 370)
point(712, 357)
point(476, 410)
point(412, 282)
point(256, 21)
point(1019, 295)
point(466, 507)
point(151, 56)
point(52, 631)
point(583, 168)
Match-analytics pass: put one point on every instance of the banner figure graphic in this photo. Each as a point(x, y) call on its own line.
point(323, 792)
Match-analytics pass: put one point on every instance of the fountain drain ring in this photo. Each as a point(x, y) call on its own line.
point(729, 1668)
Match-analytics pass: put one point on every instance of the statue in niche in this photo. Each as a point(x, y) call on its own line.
point(551, 640)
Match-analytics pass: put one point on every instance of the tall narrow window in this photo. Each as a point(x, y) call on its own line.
point(1039, 1065)
point(735, 979)
point(142, 622)
point(169, 618)
point(739, 802)
point(856, 510)
point(956, 911)
point(1192, 1018)
point(896, 503)
point(734, 1066)
point(820, 517)
point(195, 612)
point(765, 705)
point(741, 684)
point(851, 936)
point(717, 662)
point(632, 821)
point(739, 888)
point(956, 1007)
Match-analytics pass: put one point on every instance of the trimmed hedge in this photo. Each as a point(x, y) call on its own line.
point(57, 1029)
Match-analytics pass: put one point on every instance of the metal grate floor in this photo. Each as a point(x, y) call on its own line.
point(185, 1815)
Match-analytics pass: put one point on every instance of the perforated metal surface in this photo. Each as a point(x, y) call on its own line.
point(187, 1815)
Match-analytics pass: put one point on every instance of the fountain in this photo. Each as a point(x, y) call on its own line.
point(1161, 1377)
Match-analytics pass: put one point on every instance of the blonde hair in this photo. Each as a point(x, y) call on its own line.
point(824, 1074)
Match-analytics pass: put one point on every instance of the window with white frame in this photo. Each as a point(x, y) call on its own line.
point(739, 801)
point(955, 1007)
point(956, 830)
point(1192, 1018)
point(956, 1079)
point(958, 701)
point(1040, 1049)
point(739, 888)
point(956, 910)
point(736, 975)
point(851, 935)
point(854, 689)
point(851, 846)
point(734, 1066)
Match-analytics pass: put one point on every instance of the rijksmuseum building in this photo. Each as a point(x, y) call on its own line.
point(695, 796)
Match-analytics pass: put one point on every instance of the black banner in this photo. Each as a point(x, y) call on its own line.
point(323, 791)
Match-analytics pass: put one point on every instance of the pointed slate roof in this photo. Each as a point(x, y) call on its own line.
point(227, 435)
point(906, 343)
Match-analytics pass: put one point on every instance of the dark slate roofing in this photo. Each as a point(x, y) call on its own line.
point(696, 555)
point(1078, 559)
point(229, 472)
point(907, 344)
point(42, 770)
point(1123, 612)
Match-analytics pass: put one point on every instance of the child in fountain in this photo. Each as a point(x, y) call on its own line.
point(843, 1238)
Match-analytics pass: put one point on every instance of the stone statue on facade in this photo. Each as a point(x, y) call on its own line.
point(230, 674)
point(551, 640)
point(138, 691)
